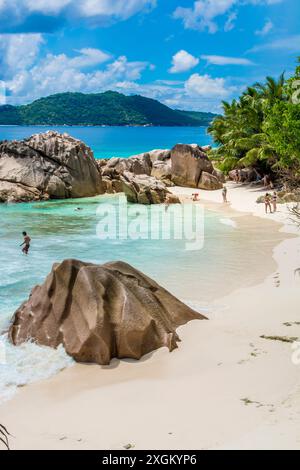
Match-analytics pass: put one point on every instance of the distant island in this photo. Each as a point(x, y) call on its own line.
point(100, 109)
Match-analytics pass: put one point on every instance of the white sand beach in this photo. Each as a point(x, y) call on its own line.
point(225, 387)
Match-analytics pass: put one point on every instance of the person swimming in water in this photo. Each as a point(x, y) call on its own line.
point(26, 243)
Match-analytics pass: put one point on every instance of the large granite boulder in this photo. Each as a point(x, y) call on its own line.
point(11, 192)
point(143, 189)
point(159, 155)
point(162, 170)
point(219, 174)
point(137, 164)
point(49, 165)
point(100, 312)
point(187, 164)
point(209, 182)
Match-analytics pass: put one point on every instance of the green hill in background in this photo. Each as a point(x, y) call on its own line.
point(109, 108)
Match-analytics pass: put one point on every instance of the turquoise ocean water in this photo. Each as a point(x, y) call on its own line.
point(58, 231)
point(119, 141)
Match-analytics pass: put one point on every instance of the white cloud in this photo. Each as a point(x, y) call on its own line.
point(205, 85)
point(89, 57)
point(222, 60)
point(45, 6)
point(289, 44)
point(183, 61)
point(96, 10)
point(204, 13)
point(18, 51)
point(119, 8)
point(268, 26)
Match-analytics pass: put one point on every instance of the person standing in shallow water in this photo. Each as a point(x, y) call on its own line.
point(26, 243)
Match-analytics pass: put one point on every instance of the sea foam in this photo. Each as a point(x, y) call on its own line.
point(229, 222)
point(28, 363)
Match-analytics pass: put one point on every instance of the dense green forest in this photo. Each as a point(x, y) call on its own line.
point(109, 108)
point(204, 119)
point(261, 129)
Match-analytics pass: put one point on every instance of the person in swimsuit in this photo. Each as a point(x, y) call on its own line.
point(224, 194)
point(26, 243)
point(268, 203)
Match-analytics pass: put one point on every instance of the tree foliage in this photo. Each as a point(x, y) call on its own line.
point(261, 129)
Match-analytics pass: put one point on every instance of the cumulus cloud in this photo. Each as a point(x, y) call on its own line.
point(203, 14)
point(18, 51)
point(204, 85)
point(43, 6)
point(183, 61)
point(14, 13)
point(222, 60)
point(117, 8)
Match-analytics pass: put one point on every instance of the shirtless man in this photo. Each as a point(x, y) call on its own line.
point(26, 243)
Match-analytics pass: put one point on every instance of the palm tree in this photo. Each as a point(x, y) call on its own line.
point(240, 132)
point(272, 90)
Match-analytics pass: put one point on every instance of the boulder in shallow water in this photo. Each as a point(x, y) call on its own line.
point(100, 312)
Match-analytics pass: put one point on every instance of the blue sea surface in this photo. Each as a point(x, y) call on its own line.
point(118, 141)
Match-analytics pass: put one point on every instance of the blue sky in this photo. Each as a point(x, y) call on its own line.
point(188, 54)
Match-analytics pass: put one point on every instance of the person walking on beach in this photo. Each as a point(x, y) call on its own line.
point(224, 194)
point(26, 243)
point(274, 201)
point(268, 203)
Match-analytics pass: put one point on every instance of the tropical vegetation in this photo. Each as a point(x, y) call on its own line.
point(261, 129)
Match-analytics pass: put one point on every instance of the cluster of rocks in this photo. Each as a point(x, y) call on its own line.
point(145, 178)
point(57, 166)
point(100, 312)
